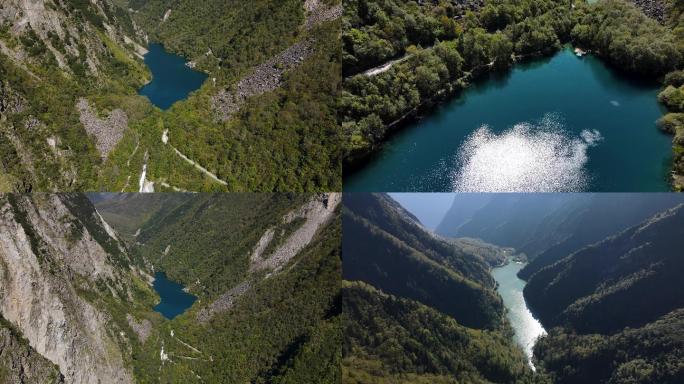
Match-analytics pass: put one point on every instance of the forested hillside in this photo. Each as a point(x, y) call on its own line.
point(626, 280)
point(418, 307)
point(277, 320)
point(549, 227)
point(384, 247)
point(617, 307)
point(651, 354)
point(401, 58)
point(71, 117)
point(389, 339)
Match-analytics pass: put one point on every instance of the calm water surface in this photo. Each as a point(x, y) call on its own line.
point(174, 301)
point(172, 80)
point(558, 124)
point(526, 327)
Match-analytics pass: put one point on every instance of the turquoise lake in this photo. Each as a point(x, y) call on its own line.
point(527, 328)
point(174, 301)
point(172, 80)
point(559, 124)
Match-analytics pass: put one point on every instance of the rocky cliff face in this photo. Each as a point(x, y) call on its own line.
point(19, 363)
point(54, 55)
point(68, 30)
point(52, 270)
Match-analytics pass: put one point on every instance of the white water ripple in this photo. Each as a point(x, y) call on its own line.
point(526, 158)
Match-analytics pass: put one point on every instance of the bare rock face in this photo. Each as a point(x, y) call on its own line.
point(19, 363)
point(58, 27)
point(318, 13)
point(654, 9)
point(265, 78)
point(10, 102)
point(142, 328)
point(316, 213)
point(224, 303)
point(107, 132)
point(47, 259)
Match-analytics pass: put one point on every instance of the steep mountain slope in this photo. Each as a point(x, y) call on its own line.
point(68, 286)
point(71, 119)
point(266, 270)
point(82, 298)
point(651, 354)
point(54, 55)
point(415, 343)
point(550, 227)
point(420, 308)
point(265, 120)
point(385, 246)
point(128, 212)
point(624, 281)
point(20, 363)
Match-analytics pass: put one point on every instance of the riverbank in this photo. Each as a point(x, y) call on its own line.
point(526, 327)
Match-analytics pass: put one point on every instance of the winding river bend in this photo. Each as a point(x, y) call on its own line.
point(172, 79)
point(174, 300)
point(527, 328)
point(558, 124)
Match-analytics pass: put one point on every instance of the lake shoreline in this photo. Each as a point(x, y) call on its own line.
point(357, 160)
point(172, 79)
point(427, 156)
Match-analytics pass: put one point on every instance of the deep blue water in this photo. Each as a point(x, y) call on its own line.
point(174, 301)
point(172, 80)
point(584, 128)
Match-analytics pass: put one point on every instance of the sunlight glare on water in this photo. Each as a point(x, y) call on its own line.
point(528, 157)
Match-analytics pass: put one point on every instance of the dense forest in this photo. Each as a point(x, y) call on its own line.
point(615, 307)
point(390, 339)
point(401, 58)
point(419, 308)
point(612, 309)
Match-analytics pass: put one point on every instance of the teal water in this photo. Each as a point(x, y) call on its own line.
point(172, 80)
point(174, 301)
point(558, 124)
point(527, 328)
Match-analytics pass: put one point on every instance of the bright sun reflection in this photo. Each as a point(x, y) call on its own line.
point(526, 158)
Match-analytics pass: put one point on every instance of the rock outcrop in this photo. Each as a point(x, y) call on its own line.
point(223, 303)
point(107, 132)
point(316, 212)
point(50, 261)
point(654, 9)
point(265, 78)
point(19, 363)
point(318, 12)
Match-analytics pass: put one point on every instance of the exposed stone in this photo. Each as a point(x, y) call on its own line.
point(265, 78)
point(316, 212)
point(652, 8)
point(318, 13)
point(143, 329)
point(223, 303)
point(44, 267)
point(107, 132)
point(19, 363)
